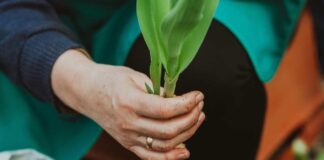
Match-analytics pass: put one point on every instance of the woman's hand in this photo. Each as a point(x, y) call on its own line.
point(116, 99)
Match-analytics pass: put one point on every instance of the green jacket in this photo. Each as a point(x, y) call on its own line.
point(264, 28)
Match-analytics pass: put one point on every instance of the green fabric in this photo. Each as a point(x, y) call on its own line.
point(108, 29)
point(27, 123)
point(264, 27)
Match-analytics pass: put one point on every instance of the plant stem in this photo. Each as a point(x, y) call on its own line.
point(169, 86)
point(155, 74)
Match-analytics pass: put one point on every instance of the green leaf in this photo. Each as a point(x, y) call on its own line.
point(320, 156)
point(184, 29)
point(174, 31)
point(195, 39)
point(176, 26)
point(149, 89)
point(150, 14)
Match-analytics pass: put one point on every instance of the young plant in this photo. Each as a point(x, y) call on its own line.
point(302, 151)
point(174, 31)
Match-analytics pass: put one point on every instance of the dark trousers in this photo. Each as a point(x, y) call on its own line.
point(318, 15)
point(235, 98)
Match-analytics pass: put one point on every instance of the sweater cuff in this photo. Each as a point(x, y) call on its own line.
point(37, 59)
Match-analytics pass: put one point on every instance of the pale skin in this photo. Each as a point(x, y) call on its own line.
point(116, 99)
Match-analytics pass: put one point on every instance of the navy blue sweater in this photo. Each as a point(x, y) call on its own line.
point(32, 38)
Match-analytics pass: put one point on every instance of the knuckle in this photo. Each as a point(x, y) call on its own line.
point(164, 111)
point(185, 104)
point(190, 102)
point(194, 118)
point(124, 126)
point(173, 133)
point(125, 104)
point(120, 101)
point(169, 133)
point(167, 146)
point(165, 134)
point(187, 107)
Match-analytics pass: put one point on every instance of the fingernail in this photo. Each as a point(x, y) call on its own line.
point(202, 117)
point(199, 97)
point(181, 146)
point(183, 156)
point(200, 105)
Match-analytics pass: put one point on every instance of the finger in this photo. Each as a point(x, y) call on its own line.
point(140, 79)
point(156, 107)
point(167, 145)
point(167, 129)
point(147, 154)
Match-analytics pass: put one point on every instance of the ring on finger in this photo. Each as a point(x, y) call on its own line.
point(149, 142)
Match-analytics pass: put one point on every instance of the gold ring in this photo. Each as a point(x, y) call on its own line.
point(149, 142)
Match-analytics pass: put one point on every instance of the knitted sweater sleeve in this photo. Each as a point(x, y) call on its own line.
point(31, 39)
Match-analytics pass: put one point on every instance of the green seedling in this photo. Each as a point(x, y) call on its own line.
point(174, 31)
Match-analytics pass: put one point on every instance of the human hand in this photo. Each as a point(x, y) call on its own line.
point(116, 99)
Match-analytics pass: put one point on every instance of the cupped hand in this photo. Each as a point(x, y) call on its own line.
point(115, 98)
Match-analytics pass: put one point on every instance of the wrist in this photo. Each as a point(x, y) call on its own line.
point(68, 74)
